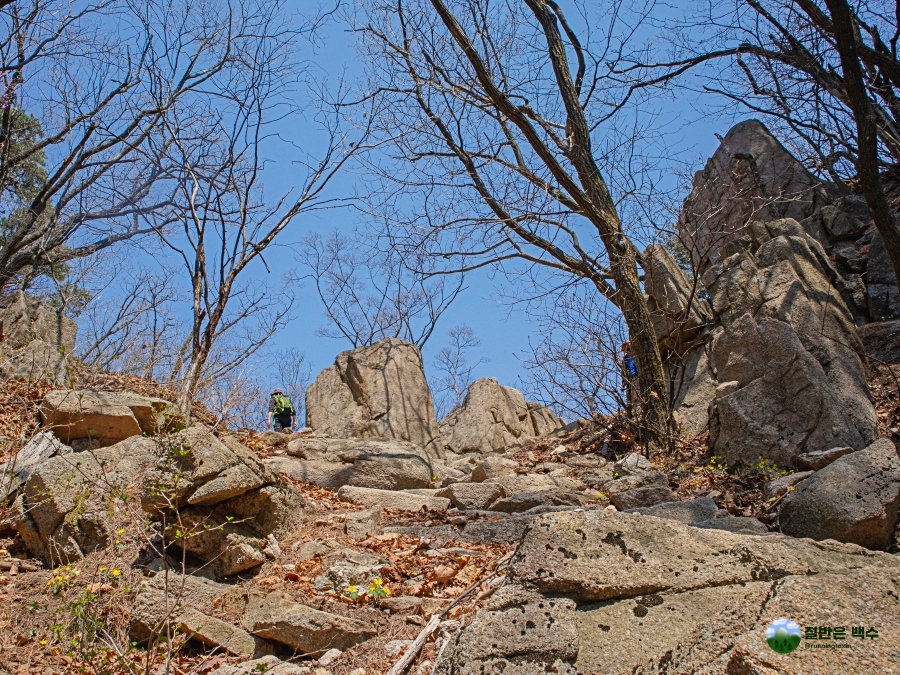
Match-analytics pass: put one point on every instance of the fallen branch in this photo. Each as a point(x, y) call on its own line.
point(417, 644)
point(410, 655)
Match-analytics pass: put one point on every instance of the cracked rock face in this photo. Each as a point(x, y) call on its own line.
point(789, 352)
point(492, 417)
point(379, 391)
point(35, 340)
point(749, 177)
point(517, 631)
point(603, 592)
point(70, 502)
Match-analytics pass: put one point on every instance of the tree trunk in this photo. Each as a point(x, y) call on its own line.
point(601, 211)
point(866, 130)
point(645, 351)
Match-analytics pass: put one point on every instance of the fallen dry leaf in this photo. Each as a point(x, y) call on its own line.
point(98, 588)
point(441, 574)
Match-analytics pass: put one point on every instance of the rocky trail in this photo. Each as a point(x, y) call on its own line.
point(500, 539)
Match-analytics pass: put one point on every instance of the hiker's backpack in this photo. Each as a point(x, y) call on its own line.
point(283, 405)
point(630, 366)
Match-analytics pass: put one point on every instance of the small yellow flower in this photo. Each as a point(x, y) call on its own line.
point(116, 572)
point(121, 530)
point(49, 582)
point(387, 591)
point(43, 642)
point(351, 589)
point(102, 569)
point(377, 581)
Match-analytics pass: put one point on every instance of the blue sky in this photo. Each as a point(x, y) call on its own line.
point(503, 331)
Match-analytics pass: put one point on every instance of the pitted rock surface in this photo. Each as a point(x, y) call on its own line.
point(647, 595)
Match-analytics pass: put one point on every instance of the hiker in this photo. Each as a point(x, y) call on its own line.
point(282, 411)
point(629, 373)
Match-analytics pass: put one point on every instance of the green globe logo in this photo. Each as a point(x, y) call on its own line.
point(783, 635)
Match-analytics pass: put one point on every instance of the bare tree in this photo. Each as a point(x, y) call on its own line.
point(454, 370)
point(827, 77)
point(84, 156)
point(225, 220)
point(574, 366)
point(371, 294)
point(502, 116)
point(126, 319)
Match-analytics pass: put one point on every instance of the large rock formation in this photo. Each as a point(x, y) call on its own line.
point(368, 463)
point(492, 417)
point(749, 177)
point(603, 592)
point(35, 340)
point(378, 391)
point(779, 368)
point(676, 308)
point(787, 330)
point(854, 499)
point(753, 178)
point(226, 501)
point(681, 318)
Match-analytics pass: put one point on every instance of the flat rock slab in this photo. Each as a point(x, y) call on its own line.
point(855, 499)
point(687, 512)
point(300, 627)
point(736, 524)
point(105, 417)
point(388, 499)
point(367, 462)
point(657, 596)
point(601, 555)
point(523, 501)
point(642, 496)
point(471, 496)
point(512, 485)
